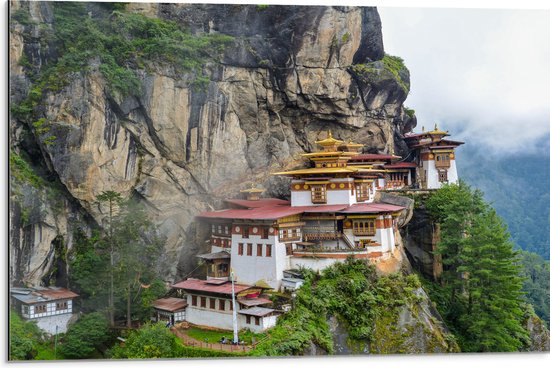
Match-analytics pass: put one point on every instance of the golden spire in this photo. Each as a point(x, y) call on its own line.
point(423, 129)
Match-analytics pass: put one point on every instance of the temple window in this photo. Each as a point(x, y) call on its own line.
point(203, 302)
point(249, 249)
point(318, 194)
point(40, 308)
point(221, 304)
point(61, 305)
point(241, 249)
point(268, 250)
point(364, 227)
point(442, 176)
point(247, 320)
point(265, 233)
point(362, 191)
point(442, 160)
point(259, 250)
point(194, 300)
point(212, 303)
point(256, 320)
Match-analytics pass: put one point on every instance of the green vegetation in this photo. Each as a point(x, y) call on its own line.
point(345, 37)
point(22, 16)
point(26, 341)
point(481, 297)
point(119, 271)
point(350, 291)
point(518, 187)
point(156, 341)
point(121, 43)
point(390, 65)
point(87, 337)
point(150, 341)
point(214, 335)
point(261, 7)
point(410, 112)
point(21, 171)
point(536, 273)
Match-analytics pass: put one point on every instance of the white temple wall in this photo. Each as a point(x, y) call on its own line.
point(49, 323)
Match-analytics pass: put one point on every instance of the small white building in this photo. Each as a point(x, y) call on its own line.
point(171, 310)
point(50, 307)
point(435, 157)
point(209, 304)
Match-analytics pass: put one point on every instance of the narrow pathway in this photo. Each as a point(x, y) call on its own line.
point(189, 341)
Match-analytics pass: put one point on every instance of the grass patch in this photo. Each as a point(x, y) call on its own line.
point(391, 65)
point(214, 336)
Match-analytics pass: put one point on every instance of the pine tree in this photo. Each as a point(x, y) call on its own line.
point(481, 272)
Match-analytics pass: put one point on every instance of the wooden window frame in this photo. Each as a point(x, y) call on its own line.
point(249, 249)
point(265, 233)
point(318, 193)
point(246, 232)
point(40, 308)
point(221, 304)
point(442, 176)
point(61, 305)
point(241, 249)
point(259, 250)
point(194, 300)
point(203, 302)
point(362, 191)
point(256, 320)
point(248, 319)
point(366, 227)
point(268, 250)
point(212, 303)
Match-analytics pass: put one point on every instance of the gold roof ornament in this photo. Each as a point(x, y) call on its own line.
point(436, 131)
point(329, 141)
point(252, 189)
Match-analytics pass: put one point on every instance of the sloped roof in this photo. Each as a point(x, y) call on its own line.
point(204, 286)
point(263, 202)
point(170, 304)
point(257, 311)
point(41, 294)
point(372, 208)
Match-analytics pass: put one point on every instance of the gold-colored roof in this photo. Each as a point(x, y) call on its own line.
point(436, 131)
point(336, 154)
point(319, 170)
point(329, 141)
point(350, 144)
point(252, 190)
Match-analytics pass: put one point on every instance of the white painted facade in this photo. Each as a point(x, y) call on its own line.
point(300, 198)
point(55, 323)
point(46, 309)
point(264, 323)
point(205, 316)
point(432, 174)
point(249, 269)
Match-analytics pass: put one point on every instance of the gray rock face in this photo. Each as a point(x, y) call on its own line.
point(285, 81)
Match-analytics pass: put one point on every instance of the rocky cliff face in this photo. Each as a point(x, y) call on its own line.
point(290, 74)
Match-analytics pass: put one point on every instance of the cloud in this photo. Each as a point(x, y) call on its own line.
point(480, 73)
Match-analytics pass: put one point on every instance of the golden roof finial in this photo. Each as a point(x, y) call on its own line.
point(435, 127)
point(423, 129)
point(329, 134)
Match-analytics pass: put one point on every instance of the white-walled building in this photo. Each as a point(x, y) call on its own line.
point(435, 157)
point(331, 215)
point(50, 307)
point(209, 304)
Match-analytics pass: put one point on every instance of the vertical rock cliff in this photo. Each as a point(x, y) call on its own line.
point(289, 74)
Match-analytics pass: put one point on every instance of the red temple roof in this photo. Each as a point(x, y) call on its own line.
point(264, 202)
point(372, 157)
point(170, 304)
point(205, 286)
point(372, 208)
point(401, 165)
point(260, 213)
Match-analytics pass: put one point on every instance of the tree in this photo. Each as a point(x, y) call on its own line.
point(23, 338)
point(150, 341)
point(480, 274)
point(113, 199)
point(536, 285)
point(87, 337)
point(126, 257)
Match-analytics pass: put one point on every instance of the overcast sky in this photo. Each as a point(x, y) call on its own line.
point(482, 74)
